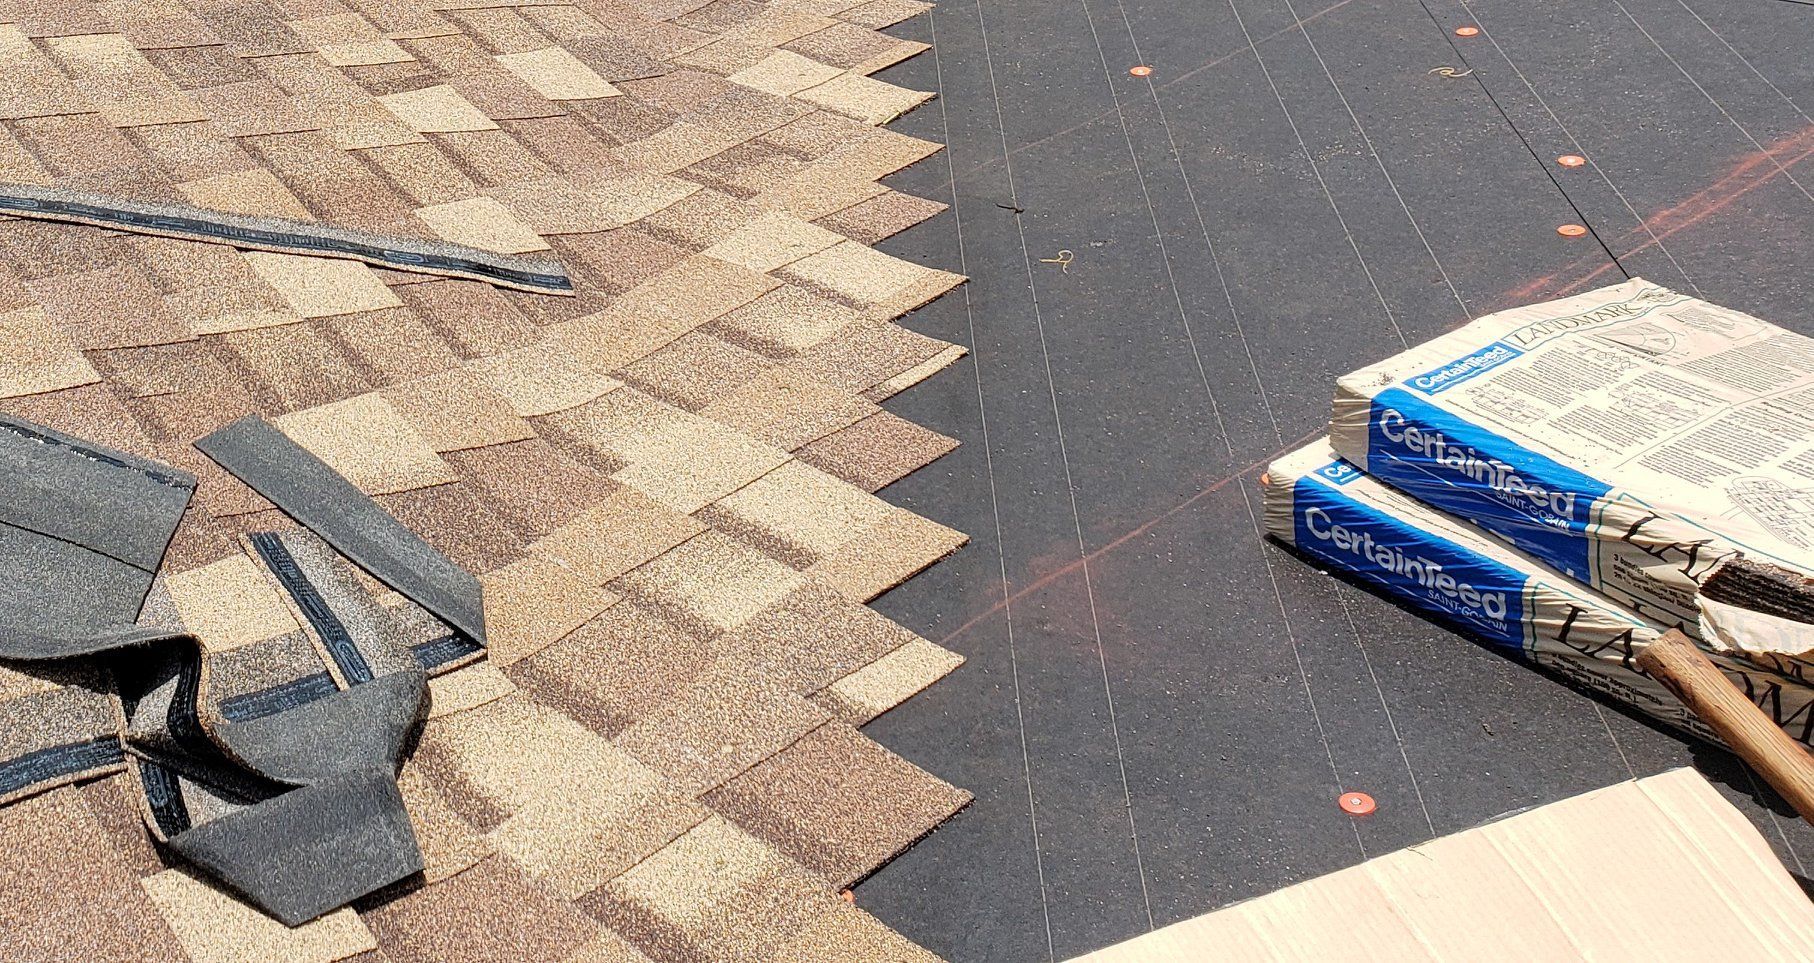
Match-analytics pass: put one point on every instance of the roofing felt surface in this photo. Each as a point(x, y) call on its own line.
point(661, 479)
point(1159, 711)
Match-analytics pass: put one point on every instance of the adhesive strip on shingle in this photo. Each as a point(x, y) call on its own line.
point(303, 812)
point(82, 529)
point(285, 236)
point(255, 452)
point(107, 501)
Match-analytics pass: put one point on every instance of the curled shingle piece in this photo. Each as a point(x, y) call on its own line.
point(294, 806)
point(303, 813)
point(285, 236)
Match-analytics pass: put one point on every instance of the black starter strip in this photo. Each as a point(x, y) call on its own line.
point(346, 655)
point(46, 765)
point(285, 236)
point(265, 702)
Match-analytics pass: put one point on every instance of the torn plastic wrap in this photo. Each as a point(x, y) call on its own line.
point(1781, 644)
point(1332, 512)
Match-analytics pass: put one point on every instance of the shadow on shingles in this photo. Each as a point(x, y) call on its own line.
point(1715, 762)
point(85, 673)
point(380, 898)
point(1719, 765)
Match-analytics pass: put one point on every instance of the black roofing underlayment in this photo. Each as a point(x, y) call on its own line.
point(1160, 718)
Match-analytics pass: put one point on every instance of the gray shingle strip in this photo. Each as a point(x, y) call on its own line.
point(285, 236)
point(300, 812)
point(306, 489)
point(107, 501)
point(343, 831)
point(296, 810)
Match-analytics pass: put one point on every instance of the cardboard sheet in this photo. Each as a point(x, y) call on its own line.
point(1656, 869)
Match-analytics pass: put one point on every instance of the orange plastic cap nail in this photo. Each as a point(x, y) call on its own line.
point(1356, 803)
point(1141, 71)
point(1571, 230)
point(1571, 160)
point(1466, 31)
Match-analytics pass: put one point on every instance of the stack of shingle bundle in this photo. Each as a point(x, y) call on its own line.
point(1568, 480)
point(581, 293)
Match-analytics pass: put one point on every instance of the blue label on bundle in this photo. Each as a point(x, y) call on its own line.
point(1424, 569)
point(1537, 503)
point(1338, 472)
point(1461, 369)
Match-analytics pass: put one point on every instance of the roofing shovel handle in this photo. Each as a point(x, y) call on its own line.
point(1674, 661)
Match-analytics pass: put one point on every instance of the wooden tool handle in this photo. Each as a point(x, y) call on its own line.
point(1674, 661)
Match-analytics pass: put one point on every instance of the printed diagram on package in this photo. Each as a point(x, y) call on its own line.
point(1725, 325)
point(1684, 333)
point(1645, 336)
point(1509, 405)
point(1787, 513)
point(1639, 400)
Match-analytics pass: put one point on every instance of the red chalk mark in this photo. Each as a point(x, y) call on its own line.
point(1779, 157)
point(1077, 564)
point(1186, 75)
point(1782, 155)
point(1742, 179)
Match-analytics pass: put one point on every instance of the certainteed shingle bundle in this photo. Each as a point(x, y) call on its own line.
point(1633, 437)
point(1334, 513)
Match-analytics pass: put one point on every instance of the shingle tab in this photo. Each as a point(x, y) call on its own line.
point(672, 596)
